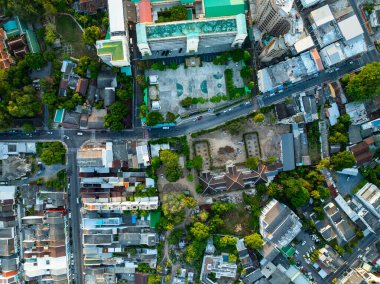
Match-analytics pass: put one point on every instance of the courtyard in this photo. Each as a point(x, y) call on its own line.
point(203, 82)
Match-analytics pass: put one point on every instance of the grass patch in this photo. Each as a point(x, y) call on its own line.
point(237, 218)
point(72, 34)
point(314, 142)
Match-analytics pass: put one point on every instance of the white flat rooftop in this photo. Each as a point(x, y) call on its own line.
point(116, 15)
point(322, 15)
point(350, 27)
point(304, 44)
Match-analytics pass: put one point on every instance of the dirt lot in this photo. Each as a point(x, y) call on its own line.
point(226, 147)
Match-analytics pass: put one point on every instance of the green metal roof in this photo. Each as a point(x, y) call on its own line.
point(179, 29)
point(220, 8)
point(114, 48)
point(141, 33)
point(32, 42)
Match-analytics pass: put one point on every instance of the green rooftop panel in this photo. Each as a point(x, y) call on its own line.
point(184, 28)
point(32, 41)
point(115, 48)
point(220, 8)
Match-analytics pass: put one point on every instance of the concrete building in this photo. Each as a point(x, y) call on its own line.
point(340, 41)
point(115, 50)
point(369, 195)
point(9, 252)
point(281, 27)
point(110, 197)
point(191, 37)
point(219, 265)
point(278, 227)
point(295, 69)
point(272, 16)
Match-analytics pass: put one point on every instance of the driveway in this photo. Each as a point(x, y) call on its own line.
point(346, 184)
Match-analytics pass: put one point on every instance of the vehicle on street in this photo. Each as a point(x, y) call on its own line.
point(166, 127)
point(199, 117)
point(79, 133)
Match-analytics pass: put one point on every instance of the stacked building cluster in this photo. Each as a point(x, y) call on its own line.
point(118, 215)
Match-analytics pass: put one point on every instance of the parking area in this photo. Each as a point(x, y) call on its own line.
point(305, 246)
point(202, 83)
point(346, 183)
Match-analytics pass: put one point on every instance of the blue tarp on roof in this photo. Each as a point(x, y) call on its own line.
point(10, 25)
point(134, 219)
point(126, 70)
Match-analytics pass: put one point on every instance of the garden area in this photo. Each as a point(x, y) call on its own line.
point(73, 43)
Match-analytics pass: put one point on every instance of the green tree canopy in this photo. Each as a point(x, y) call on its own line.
point(23, 103)
point(170, 160)
point(366, 84)
point(254, 241)
point(35, 60)
point(258, 118)
point(52, 153)
point(50, 35)
point(173, 207)
point(200, 231)
point(198, 163)
point(153, 118)
point(186, 102)
point(91, 34)
point(252, 163)
point(342, 160)
point(114, 119)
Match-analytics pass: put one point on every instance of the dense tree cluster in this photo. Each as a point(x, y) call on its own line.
point(51, 152)
point(91, 34)
point(364, 85)
point(172, 169)
point(338, 132)
point(34, 10)
point(175, 13)
point(298, 186)
point(342, 160)
point(115, 116)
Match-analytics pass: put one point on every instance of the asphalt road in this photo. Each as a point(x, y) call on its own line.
point(322, 77)
point(363, 244)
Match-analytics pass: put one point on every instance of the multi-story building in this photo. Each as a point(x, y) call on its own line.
point(45, 238)
point(278, 226)
point(9, 253)
point(116, 236)
point(273, 16)
point(114, 50)
point(191, 37)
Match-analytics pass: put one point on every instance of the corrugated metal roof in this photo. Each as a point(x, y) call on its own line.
point(145, 11)
point(220, 8)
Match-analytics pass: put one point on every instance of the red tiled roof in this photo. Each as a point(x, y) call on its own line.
point(82, 86)
point(145, 11)
point(317, 59)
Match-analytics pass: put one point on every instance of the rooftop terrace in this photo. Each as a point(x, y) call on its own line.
point(179, 29)
point(115, 48)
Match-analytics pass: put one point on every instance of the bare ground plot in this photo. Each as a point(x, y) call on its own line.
point(201, 149)
point(226, 147)
point(253, 144)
